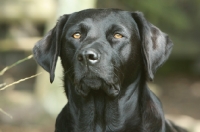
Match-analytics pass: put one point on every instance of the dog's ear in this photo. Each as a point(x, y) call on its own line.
point(47, 50)
point(156, 45)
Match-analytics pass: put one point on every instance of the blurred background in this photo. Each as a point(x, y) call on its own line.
point(32, 106)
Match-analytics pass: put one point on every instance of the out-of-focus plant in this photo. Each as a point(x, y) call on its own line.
point(3, 86)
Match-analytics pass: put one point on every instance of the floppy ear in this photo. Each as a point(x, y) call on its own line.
point(47, 50)
point(156, 45)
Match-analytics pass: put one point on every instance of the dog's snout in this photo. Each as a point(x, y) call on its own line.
point(89, 56)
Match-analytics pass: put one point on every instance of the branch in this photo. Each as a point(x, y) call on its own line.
point(18, 62)
point(2, 85)
point(5, 113)
point(21, 80)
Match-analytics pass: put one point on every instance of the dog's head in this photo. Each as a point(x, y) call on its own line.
point(103, 48)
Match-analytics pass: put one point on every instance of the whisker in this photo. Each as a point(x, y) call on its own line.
point(120, 73)
point(68, 70)
point(118, 70)
point(117, 55)
point(118, 79)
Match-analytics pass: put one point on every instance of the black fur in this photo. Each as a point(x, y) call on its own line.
point(105, 76)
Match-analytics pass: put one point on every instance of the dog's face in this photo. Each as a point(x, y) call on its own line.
point(103, 49)
point(98, 48)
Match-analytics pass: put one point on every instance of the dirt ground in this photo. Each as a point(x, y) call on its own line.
point(180, 96)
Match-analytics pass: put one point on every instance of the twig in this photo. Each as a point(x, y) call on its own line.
point(18, 62)
point(5, 113)
point(2, 85)
point(21, 80)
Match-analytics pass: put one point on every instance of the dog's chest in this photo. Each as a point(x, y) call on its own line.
point(99, 114)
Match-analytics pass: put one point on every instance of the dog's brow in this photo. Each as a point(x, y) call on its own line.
point(84, 26)
point(117, 27)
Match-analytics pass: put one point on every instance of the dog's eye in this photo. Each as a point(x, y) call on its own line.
point(118, 36)
point(76, 35)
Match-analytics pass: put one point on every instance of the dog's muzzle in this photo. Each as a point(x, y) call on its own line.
point(94, 73)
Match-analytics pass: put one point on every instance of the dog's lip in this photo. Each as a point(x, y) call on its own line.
point(91, 79)
point(112, 89)
point(92, 82)
point(95, 83)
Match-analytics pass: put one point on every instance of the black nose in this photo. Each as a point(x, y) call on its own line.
point(89, 56)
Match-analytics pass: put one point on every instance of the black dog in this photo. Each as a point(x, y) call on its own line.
point(107, 56)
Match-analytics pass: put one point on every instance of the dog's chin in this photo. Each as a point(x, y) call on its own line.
point(93, 83)
point(88, 84)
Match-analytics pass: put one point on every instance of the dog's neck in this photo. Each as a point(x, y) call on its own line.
point(98, 111)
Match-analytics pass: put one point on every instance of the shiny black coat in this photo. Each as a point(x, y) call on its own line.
point(107, 56)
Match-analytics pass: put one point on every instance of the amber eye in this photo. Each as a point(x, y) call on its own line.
point(118, 36)
point(76, 35)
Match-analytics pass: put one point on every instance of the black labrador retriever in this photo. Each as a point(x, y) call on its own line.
point(107, 55)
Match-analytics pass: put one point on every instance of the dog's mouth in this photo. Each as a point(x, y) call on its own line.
point(91, 83)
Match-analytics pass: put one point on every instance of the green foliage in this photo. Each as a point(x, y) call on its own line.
point(161, 12)
point(178, 18)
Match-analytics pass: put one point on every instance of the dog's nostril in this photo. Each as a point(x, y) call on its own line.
point(92, 57)
point(80, 57)
point(88, 56)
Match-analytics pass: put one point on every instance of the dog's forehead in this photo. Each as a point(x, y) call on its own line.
point(106, 16)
